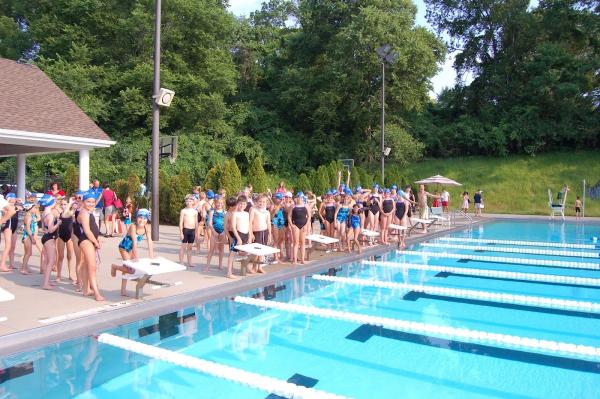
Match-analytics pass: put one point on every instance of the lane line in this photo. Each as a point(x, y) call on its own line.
point(523, 243)
point(530, 251)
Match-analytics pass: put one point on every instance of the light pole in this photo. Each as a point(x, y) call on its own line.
point(155, 122)
point(387, 55)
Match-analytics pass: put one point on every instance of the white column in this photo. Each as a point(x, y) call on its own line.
point(21, 176)
point(84, 169)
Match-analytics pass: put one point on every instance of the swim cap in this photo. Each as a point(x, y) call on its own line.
point(88, 194)
point(387, 191)
point(143, 213)
point(279, 196)
point(28, 205)
point(347, 191)
point(394, 187)
point(10, 196)
point(210, 194)
point(217, 196)
point(358, 189)
point(47, 200)
point(299, 194)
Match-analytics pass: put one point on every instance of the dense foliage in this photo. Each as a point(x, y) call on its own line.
point(297, 84)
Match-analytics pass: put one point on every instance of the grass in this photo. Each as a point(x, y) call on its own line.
point(517, 184)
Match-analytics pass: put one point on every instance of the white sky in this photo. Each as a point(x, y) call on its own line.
point(445, 77)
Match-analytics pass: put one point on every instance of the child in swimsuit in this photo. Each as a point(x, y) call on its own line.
point(129, 245)
point(188, 223)
point(298, 219)
point(215, 221)
point(355, 222)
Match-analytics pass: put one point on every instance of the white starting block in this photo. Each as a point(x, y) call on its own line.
point(423, 222)
point(321, 239)
point(370, 234)
point(145, 268)
point(4, 297)
point(393, 226)
point(256, 250)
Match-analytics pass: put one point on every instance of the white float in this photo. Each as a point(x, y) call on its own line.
point(529, 300)
point(531, 251)
point(446, 332)
point(243, 377)
point(547, 278)
point(503, 259)
point(522, 243)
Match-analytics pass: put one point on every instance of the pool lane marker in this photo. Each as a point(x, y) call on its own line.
point(523, 243)
point(239, 376)
point(527, 300)
point(530, 251)
point(503, 259)
point(433, 330)
point(547, 278)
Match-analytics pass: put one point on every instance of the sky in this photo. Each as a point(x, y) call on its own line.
point(445, 77)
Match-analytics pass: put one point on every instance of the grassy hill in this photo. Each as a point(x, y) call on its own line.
point(517, 184)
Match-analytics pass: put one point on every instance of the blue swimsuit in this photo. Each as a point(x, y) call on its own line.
point(342, 215)
point(218, 220)
point(355, 221)
point(126, 243)
point(279, 219)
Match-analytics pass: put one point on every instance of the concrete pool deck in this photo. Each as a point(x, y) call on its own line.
point(37, 317)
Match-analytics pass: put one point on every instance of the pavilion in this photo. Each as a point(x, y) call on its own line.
point(36, 117)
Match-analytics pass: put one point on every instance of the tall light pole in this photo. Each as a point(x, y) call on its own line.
point(387, 55)
point(155, 123)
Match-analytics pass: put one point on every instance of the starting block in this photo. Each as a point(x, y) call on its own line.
point(255, 250)
point(145, 268)
point(321, 239)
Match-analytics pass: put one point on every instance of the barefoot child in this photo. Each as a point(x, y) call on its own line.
point(355, 223)
point(239, 231)
point(188, 223)
point(129, 245)
point(216, 223)
point(260, 220)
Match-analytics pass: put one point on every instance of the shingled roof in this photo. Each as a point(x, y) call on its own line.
point(33, 103)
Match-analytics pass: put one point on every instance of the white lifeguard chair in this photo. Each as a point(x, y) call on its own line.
point(558, 206)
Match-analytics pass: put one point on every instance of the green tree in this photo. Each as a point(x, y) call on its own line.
point(303, 183)
point(257, 176)
point(71, 182)
point(213, 177)
point(231, 178)
point(321, 183)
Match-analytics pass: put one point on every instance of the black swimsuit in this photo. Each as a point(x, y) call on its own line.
point(388, 205)
point(400, 209)
point(330, 213)
point(299, 216)
point(11, 223)
point(50, 236)
point(65, 230)
point(93, 228)
point(374, 207)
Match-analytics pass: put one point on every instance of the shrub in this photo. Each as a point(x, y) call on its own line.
point(121, 189)
point(303, 183)
point(71, 183)
point(133, 191)
point(231, 178)
point(320, 184)
point(257, 176)
point(213, 177)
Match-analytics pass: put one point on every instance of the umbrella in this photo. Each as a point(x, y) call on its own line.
point(438, 179)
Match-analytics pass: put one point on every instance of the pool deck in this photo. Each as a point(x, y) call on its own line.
point(37, 317)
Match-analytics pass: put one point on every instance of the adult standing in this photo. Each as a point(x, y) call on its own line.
point(55, 190)
point(478, 200)
point(108, 202)
point(96, 192)
point(8, 228)
point(423, 208)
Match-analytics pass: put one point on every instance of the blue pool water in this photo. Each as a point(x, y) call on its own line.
point(348, 358)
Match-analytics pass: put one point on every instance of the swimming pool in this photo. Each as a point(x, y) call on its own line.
point(450, 345)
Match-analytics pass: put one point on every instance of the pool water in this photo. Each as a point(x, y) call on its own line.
point(347, 358)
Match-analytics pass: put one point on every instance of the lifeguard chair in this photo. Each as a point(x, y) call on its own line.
point(558, 206)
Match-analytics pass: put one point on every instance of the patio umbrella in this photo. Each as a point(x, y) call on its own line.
point(438, 179)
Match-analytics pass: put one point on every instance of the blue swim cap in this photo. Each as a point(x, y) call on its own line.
point(47, 200)
point(279, 196)
point(217, 196)
point(347, 191)
point(395, 187)
point(375, 185)
point(28, 205)
point(299, 194)
point(143, 213)
point(210, 194)
point(342, 185)
point(387, 191)
point(358, 189)
point(10, 196)
point(88, 194)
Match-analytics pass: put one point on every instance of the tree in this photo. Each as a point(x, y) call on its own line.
point(71, 183)
point(303, 183)
point(257, 176)
point(321, 183)
point(231, 178)
point(213, 177)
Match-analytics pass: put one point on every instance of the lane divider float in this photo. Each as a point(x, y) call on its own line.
point(523, 243)
point(243, 377)
point(503, 259)
point(527, 300)
point(433, 330)
point(547, 278)
point(531, 251)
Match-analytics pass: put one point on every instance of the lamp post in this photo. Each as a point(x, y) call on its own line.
point(155, 123)
point(387, 55)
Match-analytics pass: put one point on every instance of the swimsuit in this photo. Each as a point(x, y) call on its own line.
point(32, 226)
point(278, 220)
point(343, 214)
point(260, 237)
point(126, 243)
point(50, 236)
point(65, 230)
point(234, 242)
point(400, 209)
point(189, 235)
point(330, 213)
point(93, 228)
point(374, 208)
point(388, 205)
point(11, 223)
point(218, 220)
point(354, 221)
point(299, 216)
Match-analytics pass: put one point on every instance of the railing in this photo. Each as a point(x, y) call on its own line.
point(460, 212)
